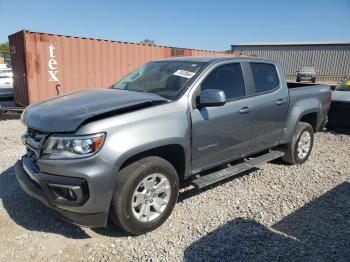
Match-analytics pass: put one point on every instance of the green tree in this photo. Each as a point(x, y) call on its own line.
point(5, 47)
point(148, 42)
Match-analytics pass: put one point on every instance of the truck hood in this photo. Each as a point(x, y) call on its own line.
point(66, 113)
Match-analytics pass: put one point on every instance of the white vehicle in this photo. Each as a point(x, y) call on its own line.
point(3, 66)
point(306, 73)
point(6, 78)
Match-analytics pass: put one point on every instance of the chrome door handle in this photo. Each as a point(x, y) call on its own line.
point(244, 110)
point(280, 102)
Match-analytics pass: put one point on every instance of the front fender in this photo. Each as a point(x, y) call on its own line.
point(124, 156)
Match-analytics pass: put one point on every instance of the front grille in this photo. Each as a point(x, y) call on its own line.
point(35, 138)
point(34, 141)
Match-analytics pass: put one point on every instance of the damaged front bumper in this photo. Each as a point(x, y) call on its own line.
point(61, 193)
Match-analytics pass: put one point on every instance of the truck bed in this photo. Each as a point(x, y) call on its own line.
point(298, 84)
point(298, 91)
point(316, 96)
point(305, 91)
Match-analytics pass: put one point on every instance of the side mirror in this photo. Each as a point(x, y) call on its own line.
point(211, 97)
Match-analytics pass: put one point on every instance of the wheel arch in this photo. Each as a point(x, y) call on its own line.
point(310, 116)
point(174, 153)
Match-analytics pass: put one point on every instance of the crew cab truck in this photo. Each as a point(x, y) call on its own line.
point(120, 153)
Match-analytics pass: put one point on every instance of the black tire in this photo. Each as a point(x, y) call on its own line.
point(313, 80)
point(291, 153)
point(128, 179)
point(298, 79)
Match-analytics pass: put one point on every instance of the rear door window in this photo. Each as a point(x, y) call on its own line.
point(265, 77)
point(228, 78)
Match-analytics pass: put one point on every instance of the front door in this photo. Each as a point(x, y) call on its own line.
point(222, 133)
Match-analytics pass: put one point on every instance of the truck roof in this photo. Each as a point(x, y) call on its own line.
point(208, 59)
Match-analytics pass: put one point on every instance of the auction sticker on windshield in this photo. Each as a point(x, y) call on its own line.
point(184, 73)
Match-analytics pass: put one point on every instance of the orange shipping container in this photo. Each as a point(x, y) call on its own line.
point(46, 65)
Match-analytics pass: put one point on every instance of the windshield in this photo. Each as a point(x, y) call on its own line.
point(164, 78)
point(345, 86)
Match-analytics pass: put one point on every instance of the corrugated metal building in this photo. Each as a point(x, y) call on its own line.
point(45, 65)
point(331, 59)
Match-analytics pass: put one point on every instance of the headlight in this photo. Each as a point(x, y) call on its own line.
point(69, 147)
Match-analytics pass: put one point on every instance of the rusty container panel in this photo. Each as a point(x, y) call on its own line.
point(17, 52)
point(57, 64)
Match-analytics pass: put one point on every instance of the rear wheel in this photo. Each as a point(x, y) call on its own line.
point(313, 80)
point(145, 195)
point(298, 79)
point(299, 149)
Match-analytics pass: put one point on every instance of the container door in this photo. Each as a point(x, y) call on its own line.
point(17, 51)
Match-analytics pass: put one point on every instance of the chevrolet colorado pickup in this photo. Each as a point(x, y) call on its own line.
point(121, 153)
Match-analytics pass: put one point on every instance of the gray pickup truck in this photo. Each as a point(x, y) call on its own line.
point(122, 152)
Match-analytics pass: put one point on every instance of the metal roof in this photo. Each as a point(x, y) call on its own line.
point(344, 42)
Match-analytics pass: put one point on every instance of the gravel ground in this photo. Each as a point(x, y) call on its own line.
point(277, 212)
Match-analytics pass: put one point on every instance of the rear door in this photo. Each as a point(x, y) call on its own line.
point(224, 132)
point(270, 105)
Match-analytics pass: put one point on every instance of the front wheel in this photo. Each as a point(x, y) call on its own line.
point(299, 149)
point(145, 195)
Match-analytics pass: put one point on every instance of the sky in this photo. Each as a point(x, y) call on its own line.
point(209, 25)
